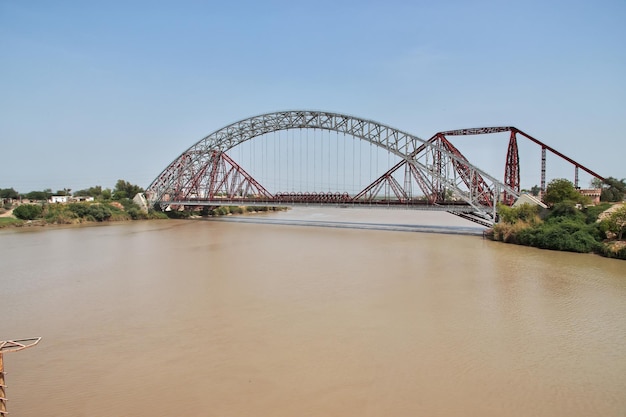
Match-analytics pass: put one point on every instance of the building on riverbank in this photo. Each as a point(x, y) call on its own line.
point(592, 193)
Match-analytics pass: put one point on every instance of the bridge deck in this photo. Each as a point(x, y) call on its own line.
point(459, 209)
point(460, 206)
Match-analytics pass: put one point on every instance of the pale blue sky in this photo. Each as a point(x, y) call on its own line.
point(91, 92)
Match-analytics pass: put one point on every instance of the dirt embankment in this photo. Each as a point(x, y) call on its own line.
point(8, 213)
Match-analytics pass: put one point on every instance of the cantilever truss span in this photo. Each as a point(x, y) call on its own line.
point(512, 169)
point(435, 165)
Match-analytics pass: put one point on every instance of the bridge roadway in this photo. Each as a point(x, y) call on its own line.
point(395, 227)
point(460, 208)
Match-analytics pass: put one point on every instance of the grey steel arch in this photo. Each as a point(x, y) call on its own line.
point(402, 144)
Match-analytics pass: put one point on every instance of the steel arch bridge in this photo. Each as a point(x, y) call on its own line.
point(205, 175)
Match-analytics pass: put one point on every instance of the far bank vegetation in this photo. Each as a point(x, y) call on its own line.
point(212, 211)
point(104, 205)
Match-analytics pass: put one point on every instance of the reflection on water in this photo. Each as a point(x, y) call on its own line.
point(208, 318)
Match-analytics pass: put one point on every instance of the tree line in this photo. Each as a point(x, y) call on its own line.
point(108, 204)
point(612, 189)
point(122, 189)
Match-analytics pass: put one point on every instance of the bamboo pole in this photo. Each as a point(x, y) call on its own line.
point(11, 346)
point(3, 394)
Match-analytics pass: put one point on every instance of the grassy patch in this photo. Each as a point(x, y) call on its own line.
point(614, 250)
point(8, 221)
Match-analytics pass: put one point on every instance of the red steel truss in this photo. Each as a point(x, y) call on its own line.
point(512, 170)
point(219, 177)
point(434, 191)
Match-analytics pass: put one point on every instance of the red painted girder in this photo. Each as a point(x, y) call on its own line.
point(487, 130)
point(249, 179)
point(398, 189)
point(221, 171)
point(511, 168)
point(557, 153)
point(477, 183)
point(477, 131)
point(378, 182)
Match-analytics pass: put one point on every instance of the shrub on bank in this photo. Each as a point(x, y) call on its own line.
point(567, 235)
point(84, 212)
point(99, 212)
point(215, 211)
point(615, 250)
point(62, 217)
point(156, 215)
point(524, 213)
point(564, 228)
point(175, 214)
point(79, 209)
point(507, 232)
point(592, 213)
point(28, 211)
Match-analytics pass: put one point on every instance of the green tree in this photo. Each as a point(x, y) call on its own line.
point(95, 192)
point(534, 190)
point(28, 211)
point(613, 189)
point(617, 222)
point(596, 183)
point(39, 195)
point(80, 209)
point(82, 193)
point(9, 193)
point(125, 189)
point(524, 212)
point(65, 191)
point(107, 194)
point(559, 190)
point(566, 209)
point(99, 212)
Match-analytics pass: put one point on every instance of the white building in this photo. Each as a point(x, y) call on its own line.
point(82, 198)
point(59, 199)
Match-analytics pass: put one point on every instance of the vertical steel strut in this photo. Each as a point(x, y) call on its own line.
point(543, 171)
point(511, 169)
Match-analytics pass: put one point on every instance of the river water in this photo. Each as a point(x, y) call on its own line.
point(246, 318)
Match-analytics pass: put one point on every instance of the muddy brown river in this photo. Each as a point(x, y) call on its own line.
point(255, 318)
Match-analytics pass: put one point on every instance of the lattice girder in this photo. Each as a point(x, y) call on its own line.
point(220, 176)
point(185, 169)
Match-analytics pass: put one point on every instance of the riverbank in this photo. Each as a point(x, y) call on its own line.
point(594, 229)
point(92, 213)
point(9, 221)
